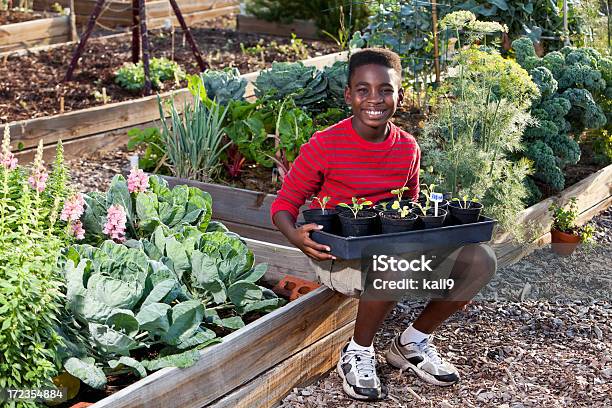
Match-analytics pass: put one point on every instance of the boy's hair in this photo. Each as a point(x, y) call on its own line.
point(378, 56)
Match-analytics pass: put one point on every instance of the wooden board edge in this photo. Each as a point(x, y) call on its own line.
point(244, 354)
point(299, 370)
point(301, 28)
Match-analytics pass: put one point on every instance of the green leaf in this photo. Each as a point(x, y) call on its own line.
point(154, 318)
point(266, 305)
point(146, 209)
point(217, 289)
point(181, 360)
point(123, 321)
point(88, 308)
point(501, 4)
point(243, 292)
point(186, 319)
point(138, 368)
point(111, 341)
point(86, 371)
point(255, 274)
point(200, 337)
point(114, 292)
point(178, 255)
point(159, 292)
point(118, 193)
point(204, 267)
point(234, 322)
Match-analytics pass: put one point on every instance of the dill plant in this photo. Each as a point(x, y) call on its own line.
point(30, 285)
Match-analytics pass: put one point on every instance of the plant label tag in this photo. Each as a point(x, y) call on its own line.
point(436, 197)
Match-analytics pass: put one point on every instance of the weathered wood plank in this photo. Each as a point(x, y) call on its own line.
point(28, 45)
point(34, 30)
point(301, 28)
point(194, 17)
point(299, 370)
point(243, 355)
point(262, 234)
point(590, 192)
point(282, 260)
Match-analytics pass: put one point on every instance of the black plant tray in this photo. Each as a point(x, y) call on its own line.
point(417, 240)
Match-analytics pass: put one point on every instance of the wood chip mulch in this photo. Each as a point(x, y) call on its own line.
point(550, 349)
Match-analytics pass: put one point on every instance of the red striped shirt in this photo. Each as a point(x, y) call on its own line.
point(338, 163)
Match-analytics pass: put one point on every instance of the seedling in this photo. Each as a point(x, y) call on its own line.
point(322, 202)
point(428, 191)
point(465, 201)
point(358, 205)
point(422, 208)
point(402, 211)
point(399, 192)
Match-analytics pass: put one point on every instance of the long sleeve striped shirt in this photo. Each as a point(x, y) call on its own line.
point(338, 163)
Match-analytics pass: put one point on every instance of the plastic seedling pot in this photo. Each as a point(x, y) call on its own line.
point(366, 223)
point(391, 222)
point(329, 219)
point(465, 215)
point(430, 220)
point(416, 240)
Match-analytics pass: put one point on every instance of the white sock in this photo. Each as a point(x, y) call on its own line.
point(356, 347)
point(412, 335)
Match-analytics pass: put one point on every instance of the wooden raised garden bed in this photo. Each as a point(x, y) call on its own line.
point(257, 365)
point(301, 28)
point(31, 33)
point(106, 126)
point(248, 213)
point(118, 13)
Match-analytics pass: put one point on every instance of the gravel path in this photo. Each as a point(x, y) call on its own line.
point(539, 337)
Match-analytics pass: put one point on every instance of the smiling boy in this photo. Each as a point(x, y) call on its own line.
point(367, 156)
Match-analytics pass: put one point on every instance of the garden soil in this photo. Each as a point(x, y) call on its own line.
point(13, 16)
point(31, 84)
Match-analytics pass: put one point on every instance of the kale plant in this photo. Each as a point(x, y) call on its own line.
point(573, 83)
point(224, 86)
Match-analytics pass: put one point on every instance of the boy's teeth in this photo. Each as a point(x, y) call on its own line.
point(374, 112)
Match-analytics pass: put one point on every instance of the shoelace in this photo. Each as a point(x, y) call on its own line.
point(364, 363)
point(430, 350)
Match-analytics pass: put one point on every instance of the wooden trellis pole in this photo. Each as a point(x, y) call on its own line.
point(140, 38)
point(434, 17)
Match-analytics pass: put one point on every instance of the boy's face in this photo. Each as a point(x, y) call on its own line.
point(374, 93)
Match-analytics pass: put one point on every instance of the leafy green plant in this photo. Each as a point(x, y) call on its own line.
point(131, 76)
point(329, 15)
point(306, 85)
point(146, 210)
point(564, 220)
point(154, 157)
point(402, 211)
point(194, 138)
point(322, 202)
point(224, 86)
point(465, 201)
point(166, 289)
point(573, 85)
point(357, 205)
point(31, 237)
point(399, 192)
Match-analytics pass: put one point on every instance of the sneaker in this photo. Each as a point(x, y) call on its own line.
point(358, 372)
point(423, 359)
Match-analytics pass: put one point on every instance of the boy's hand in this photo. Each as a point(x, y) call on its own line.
point(300, 237)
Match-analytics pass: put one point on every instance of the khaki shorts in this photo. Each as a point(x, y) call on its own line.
point(346, 276)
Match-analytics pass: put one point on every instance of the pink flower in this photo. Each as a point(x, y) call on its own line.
point(78, 231)
point(73, 208)
point(7, 159)
point(38, 180)
point(138, 181)
point(115, 223)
